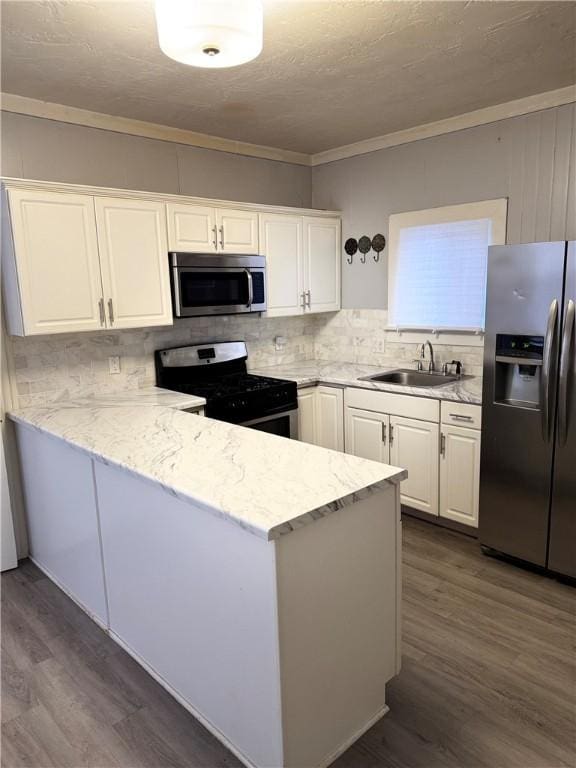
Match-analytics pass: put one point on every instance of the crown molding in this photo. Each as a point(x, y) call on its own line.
point(23, 105)
point(33, 107)
point(479, 117)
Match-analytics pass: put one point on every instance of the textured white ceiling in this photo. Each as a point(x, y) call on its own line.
point(331, 73)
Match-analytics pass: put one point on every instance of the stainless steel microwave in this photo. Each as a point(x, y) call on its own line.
point(217, 284)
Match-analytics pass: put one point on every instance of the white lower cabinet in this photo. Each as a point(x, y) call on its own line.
point(330, 418)
point(443, 462)
point(306, 415)
point(460, 474)
point(414, 446)
point(321, 417)
point(367, 434)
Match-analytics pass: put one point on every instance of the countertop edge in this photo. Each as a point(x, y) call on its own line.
point(267, 534)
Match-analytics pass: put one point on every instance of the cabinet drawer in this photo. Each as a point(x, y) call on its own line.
point(461, 414)
point(396, 405)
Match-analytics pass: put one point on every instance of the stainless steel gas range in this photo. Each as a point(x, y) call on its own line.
point(218, 372)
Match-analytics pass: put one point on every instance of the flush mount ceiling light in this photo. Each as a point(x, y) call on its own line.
point(210, 33)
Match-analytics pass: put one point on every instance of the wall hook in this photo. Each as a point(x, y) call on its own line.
point(364, 245)
point(378, 245)
point(351, 246)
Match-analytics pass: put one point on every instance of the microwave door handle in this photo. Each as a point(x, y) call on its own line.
point(250, 287)
point(546, 389)
point(565, 360)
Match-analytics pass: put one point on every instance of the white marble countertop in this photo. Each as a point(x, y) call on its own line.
point(466, 390)
point(266, 484)
point(147, 396)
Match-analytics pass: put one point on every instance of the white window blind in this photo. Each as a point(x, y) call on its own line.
point(438, 262)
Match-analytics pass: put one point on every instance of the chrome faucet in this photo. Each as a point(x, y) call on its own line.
point(431, 367)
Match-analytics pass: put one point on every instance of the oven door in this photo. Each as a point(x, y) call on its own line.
point(217, 290)
point(284, 424)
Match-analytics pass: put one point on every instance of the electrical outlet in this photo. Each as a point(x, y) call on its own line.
point(114, 364)
point(279, 343)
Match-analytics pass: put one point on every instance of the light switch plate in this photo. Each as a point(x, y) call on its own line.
point(114, 364)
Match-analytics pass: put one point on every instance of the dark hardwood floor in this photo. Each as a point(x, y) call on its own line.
point(488, 677)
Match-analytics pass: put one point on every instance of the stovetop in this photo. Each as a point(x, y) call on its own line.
point(225, 386)
point(217, 372)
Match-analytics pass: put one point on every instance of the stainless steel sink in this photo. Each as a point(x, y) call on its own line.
point(409, 378)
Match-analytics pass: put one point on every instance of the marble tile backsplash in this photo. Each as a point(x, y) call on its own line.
point(361, 336)
point(60, 367)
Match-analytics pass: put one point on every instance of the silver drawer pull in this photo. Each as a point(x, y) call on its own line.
point(461, 417)
point(101, 310)
point(442, 444)
point(111, 311)
point(384, 432)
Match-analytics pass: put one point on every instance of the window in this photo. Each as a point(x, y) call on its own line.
point(437, 265)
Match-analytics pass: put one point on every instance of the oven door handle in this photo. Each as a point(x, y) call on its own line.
point(250, 288)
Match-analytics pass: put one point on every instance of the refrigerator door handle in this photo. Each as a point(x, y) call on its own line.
point(546, 390)
point(567, 346)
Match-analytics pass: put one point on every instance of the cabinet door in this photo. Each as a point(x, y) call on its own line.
point(330, 418)
point(134, 258)
point(237, 231)
point(460, 474)
point(191, 228)
point(366, 434)
point(57, 264)
point(307, 415)
point(322, 259)
point(281, 243)
point(414, 446)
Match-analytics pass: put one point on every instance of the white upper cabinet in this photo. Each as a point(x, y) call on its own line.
point(237, 231)
point(52, 280)
point(192, 228)
point(78, 258)
point(134, 261)
point(79, 263)
point(281, 241)
point(205, 229)
point(302, 263)
point(322, 260)
point(414, 446)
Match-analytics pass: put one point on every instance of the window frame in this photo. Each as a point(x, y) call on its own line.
point(496, 210)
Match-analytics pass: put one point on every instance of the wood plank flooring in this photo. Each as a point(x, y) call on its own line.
point(488, 677)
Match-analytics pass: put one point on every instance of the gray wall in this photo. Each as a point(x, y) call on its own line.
point(36, 148)
point(531, 160)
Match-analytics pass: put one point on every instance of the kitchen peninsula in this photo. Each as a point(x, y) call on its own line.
point(257, 578)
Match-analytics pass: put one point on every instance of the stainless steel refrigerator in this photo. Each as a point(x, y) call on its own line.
point(528, 457)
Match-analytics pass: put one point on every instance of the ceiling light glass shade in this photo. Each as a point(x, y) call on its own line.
point(210, 33)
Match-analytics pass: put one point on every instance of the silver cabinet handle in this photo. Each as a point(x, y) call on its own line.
point(309, 299)
point(442, 444)
point(101, 310)
point(250, 287)
point(111, 311)
point(391, 438)
point(566, 357)
point(461, 417)
point(303, 298)
point(222, 236)
point(546, 385)
point(215, 237)
point(384, 432)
